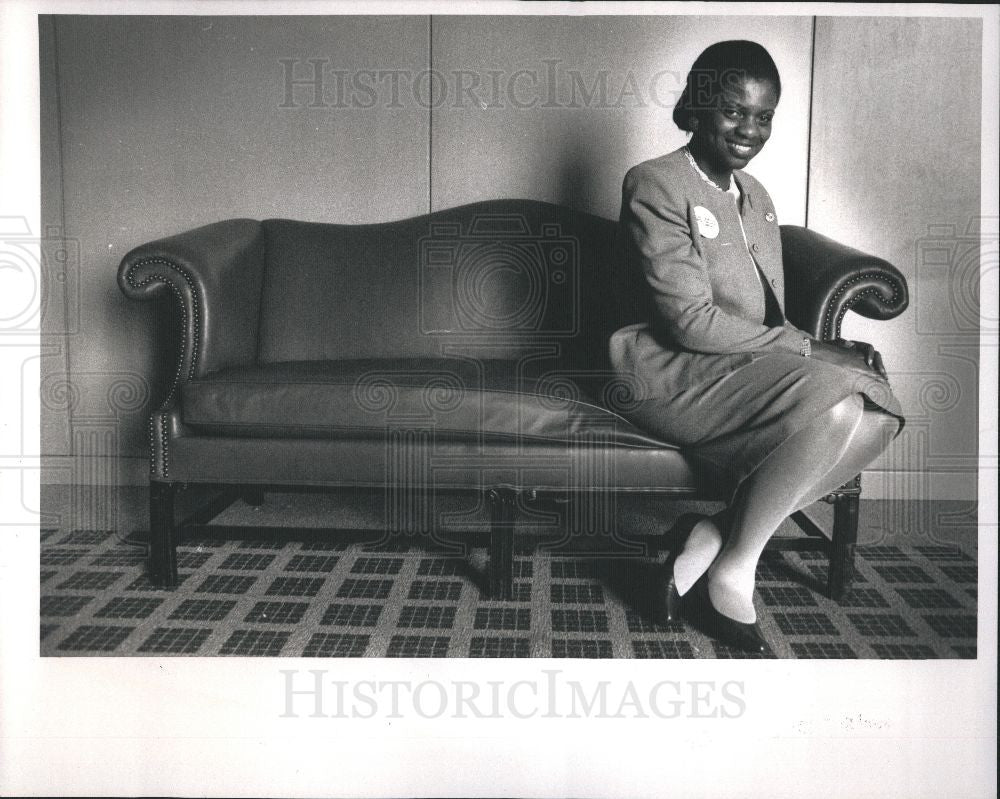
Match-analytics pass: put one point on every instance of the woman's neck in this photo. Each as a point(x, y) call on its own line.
point(721, 179)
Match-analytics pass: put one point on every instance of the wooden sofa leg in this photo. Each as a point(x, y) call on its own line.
point(501, 554)
point(162, 546)
point(845, 538)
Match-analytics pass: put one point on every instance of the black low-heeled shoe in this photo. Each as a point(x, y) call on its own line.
point(681, 530)
point(735, 634)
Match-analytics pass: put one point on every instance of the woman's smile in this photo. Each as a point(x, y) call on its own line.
point(741, 150)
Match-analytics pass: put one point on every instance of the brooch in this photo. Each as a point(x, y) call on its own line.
point(708, 225)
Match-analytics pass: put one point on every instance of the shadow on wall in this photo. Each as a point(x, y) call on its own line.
point(584, 173)
point(577, 184)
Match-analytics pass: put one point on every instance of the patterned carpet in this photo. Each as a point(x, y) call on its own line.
point(349, 594)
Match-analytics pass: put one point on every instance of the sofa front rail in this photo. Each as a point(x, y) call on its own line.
point(502, 502)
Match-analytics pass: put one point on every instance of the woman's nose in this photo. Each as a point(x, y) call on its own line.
point(748, 128)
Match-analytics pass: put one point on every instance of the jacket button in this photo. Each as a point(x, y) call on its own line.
point(774, 282)
point(755, 248)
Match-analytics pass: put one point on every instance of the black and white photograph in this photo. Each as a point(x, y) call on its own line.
point(499, 399)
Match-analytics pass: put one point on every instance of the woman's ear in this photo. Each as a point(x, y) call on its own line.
point(692, 123)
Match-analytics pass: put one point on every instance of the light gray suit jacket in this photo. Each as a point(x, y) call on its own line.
point(684, 235)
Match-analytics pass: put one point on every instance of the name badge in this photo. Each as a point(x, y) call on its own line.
point(708, 225)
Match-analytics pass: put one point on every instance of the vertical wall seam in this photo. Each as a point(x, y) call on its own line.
point(56, 97)
point(430, 115)
point(59, 130)
point(809, 121)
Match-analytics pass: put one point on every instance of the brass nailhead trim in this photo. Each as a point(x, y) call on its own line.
point(195, 315)
point(890, 282)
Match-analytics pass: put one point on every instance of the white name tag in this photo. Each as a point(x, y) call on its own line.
point(708, 225)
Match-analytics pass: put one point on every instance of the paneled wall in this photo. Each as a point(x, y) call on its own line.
point(168, 123)
point(153, 125)
point(582, 99)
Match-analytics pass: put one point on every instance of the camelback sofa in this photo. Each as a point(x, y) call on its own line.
point(463, 349)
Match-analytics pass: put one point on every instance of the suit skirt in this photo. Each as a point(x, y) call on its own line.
point(727, 426)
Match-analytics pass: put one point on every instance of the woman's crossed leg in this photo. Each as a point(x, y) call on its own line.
point(806, 467)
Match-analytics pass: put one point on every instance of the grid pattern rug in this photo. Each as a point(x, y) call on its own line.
point(350, 595)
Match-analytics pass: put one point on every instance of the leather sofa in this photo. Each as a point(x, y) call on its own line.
point(463, 349)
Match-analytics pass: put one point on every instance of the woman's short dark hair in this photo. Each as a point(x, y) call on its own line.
point(717, 67)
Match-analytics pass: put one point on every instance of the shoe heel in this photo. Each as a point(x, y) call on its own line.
point(734, 634)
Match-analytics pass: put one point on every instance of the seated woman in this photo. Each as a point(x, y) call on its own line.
point(783, 418)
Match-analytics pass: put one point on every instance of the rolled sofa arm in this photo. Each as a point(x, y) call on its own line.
point(215, 272)
point(824, 280)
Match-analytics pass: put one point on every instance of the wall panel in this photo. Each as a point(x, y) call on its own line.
point(168, 123)
point(895, 170)
point(60, 311)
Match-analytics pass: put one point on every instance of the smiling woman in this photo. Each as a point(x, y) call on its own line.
point(729, 108)
point(783, 418)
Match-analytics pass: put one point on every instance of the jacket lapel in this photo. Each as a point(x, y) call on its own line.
point(758, 230)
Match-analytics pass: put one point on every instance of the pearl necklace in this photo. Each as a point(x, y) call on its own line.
point(699, 170)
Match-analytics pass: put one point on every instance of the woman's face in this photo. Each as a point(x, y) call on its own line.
point(729, 136)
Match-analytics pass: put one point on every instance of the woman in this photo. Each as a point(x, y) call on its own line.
point(785, 418)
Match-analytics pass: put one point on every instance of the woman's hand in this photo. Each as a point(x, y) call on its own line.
point(873, 359)
point(857, 355)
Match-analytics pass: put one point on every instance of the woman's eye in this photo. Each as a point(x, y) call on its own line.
point(765, 120)
point(731, 113)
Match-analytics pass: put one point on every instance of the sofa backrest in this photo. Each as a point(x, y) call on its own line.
point(506, 279)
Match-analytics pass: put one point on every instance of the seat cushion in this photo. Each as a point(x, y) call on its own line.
point(468, 399)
